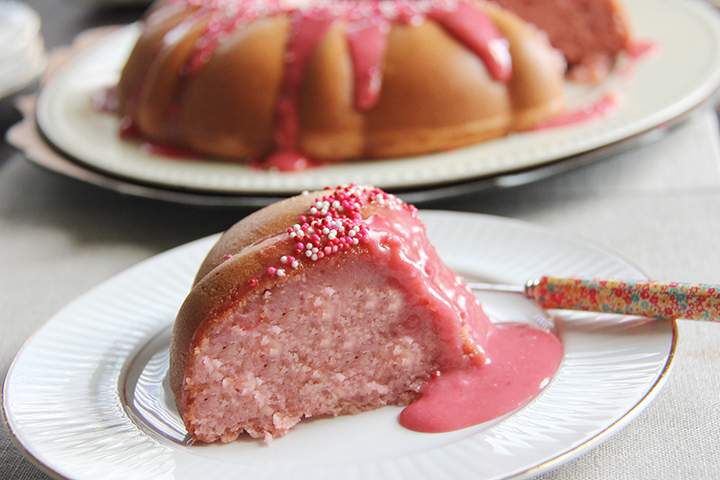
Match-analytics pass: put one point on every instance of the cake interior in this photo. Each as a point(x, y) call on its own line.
point(346, 339)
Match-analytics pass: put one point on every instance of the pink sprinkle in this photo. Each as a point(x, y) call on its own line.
point(228, 257)
point(272, 270)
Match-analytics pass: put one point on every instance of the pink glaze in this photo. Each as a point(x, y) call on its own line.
point(642, 49)
point(306, 32)
point(473, 28)
point(637, 51)
point(601, 108)
point(461, 323)
point(367, 24)
point(521, 362)
point(286, 161)
point(367, 48)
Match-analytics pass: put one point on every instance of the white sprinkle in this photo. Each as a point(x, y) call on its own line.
point(294, 264)
point(308, 253)
point(326, 231)
point(355, 241)
point(314, 257)
point(313, 211)
point(283, 259)
point(280, 272)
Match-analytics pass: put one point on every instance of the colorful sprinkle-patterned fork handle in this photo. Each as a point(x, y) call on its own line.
point(646, 298)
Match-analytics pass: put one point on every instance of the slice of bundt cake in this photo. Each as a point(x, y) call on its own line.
point(327, 303)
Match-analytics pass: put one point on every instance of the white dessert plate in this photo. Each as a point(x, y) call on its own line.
point(652, 91)
point(87, 396)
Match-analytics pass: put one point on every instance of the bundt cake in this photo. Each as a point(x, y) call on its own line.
point(590, 33)
point(284, 81)
point(333, 303)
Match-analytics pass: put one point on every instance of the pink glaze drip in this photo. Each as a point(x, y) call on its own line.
point(460, 321)
point(306, 32)
point(522, 361)
point(367, 48)
point(286, 161)
point(642, 49)
point(473, 28)
point(601, 108)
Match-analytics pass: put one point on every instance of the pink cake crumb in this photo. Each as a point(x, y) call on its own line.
point(281, 325)
point(345, 340)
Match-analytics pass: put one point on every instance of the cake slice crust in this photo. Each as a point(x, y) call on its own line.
point(273, 332)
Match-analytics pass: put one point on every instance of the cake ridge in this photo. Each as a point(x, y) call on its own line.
point(382, 321)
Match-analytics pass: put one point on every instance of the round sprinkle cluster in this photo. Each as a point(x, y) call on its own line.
point(332, 224)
